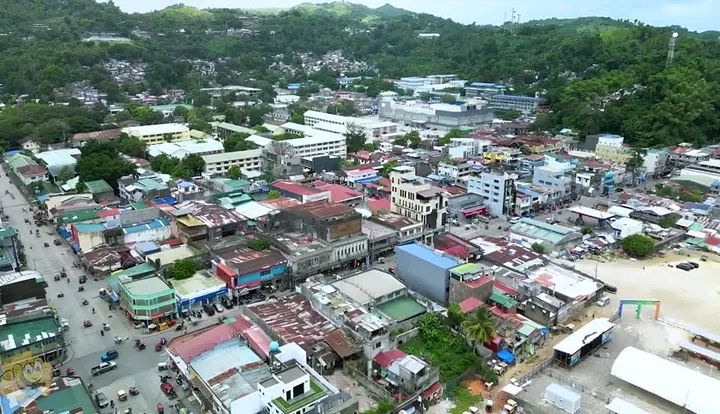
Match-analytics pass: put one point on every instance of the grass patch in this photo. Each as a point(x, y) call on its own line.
point(383, 407)
point(463, 400)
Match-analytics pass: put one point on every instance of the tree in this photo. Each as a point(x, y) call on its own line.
point(538, 248)
point(453, 133)
point(343, 107)
point(297, 118)
point(259, 244)
point(233, 172)
point(668, 220)
point(455, 315)
point(354, 138)
point(387, 167)
point(507, 114)
point(273, 194)
point(194, 164)
point(237, 142)
point(479, 327)
point(635, 163)
point(413, 139)
point(638, 245)
point(587, 230)
point(182, 269)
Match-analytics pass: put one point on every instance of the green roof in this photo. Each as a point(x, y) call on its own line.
point(401, 308)
point(68, 399)
point(502, 300)
point(541, 230)
point(7, 232)
point(314, 394)
point(17, 335)
point(136, 271)
point(696, 226)
point(98, 186)
point(150, 286)
point(78, 216)
point(19, 160)
point(139, 206)
point(468, 269)
point(151, 184)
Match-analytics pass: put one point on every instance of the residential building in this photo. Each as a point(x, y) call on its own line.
point(438, 116)
point(220, 163)
point(433, 281)
point(99, 189)
point(470, 280)
point(610, 148)
point(709, 168)
point(9, 250)
point(413, 197)
point(498, 189)
point(381, 239)
point(625, 226)
point(148, 299)
point(455, 170)
point(468, 147)
point(654, 214)
point(156, 134)
point(683, 156)
point(200, 220)
point(182, 149)
point(406, 228)
point(655, 162)
point(553, 237)
point(60, 161)
point(524, 104)
point(244, 269)
point(554, 177)
point(62, 395)
point(136, 190)
point(21, 286)
point(188, 190)
point(29, 144)
point(302, 193)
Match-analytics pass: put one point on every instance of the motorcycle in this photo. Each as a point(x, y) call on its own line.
point(117, 340)
point(180, 327)
point(61, 295)
point(85, 302)
point(80, 288)
point(87, 324)
point(106, 327)
point(133, 391)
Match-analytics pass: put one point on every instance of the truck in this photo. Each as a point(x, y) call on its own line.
point(103, 368)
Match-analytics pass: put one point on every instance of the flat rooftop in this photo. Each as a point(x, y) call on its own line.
point(368, 286)
point(299, 244)
point(394, 220)
point(146, 287)
point(565, 282)
point(200, 282)
point(401, 308)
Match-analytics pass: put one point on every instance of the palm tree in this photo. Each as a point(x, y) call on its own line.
point(480, 327)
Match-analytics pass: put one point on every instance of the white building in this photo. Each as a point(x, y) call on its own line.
point(412, 83)
point(709, 168)
point(155, 134)
point(525, 104)
point(626, 226)
point(182, 149)
point(440, 116)
point(468, 147)
point(338, 124)
point(314, 142)
point(498, 189)
point(218, 164)
point(418, 200)
point(554, 177)
point(454, 171)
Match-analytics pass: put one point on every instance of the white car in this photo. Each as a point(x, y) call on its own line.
point(514, 219)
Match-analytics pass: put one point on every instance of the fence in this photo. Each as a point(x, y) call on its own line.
point(538, 369)
point(379, 392)
point(604, 398)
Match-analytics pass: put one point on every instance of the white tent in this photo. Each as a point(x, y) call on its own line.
point(678, 384)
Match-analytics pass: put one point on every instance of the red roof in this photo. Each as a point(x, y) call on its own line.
point(109, 212)
point(32, 169)
point(431, 390)
point(295, 188)
point(258, 340)
point(384, 359)
point(470, 304)
point(459, 251)
point(712, 240)
point(338, 193)
point(453, 190)
point(189, 346)
point(378, 205)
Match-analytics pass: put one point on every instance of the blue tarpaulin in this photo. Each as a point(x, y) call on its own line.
point(368, 180)
point(170, 200)
point(506, 356)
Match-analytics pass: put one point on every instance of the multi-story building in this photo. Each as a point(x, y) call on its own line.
point(219, 164)
point(225, 129)
point(554, 177)
point(655, 162)
point(476, 89)
point(433, 281)
point(406, 228)
point(236, 89)
point(454, 170)
point(149, 299)
point(156, 134)
point(709, 168)
point(9, 249)
point(439, 116)
point(30, 334)
point(413, 197)
point(411, 83)
point(339, 124)
point(468, 147)
point(610, 148)
point(244, 269)
point(314, 143)
point(498, 189)
point(525, 104)
point(182, 149)
point(302, 193)
point(201, 220)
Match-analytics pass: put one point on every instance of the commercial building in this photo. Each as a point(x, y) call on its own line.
point(156, 134)
point(455, 170)
point(20, 286)
point(9, 250)
point(247, 161)
point(524, 104)
point(610, 148)
point(551, 236)
point(584, 341)
point(244, 269)
point(709, 168)
point(381, 239)
point(201, 220)
point(200, 288)
point(656, 163)
point(481, 89)
point(302, 193)
point(406, 228)
point(413, 197)
point(468, 147)
point(182, 149)
point(555, 178)
point(439, 116)
point(432, 281)
point(149, 299)
point(498, 190)
point(31, 331)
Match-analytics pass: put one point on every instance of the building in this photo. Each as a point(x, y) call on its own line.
point(455, 170)
point(413, 197)
point(216, 92)
point(339, 124)
point(582, 342)
point(467, 206)
point(553, 237)
point(314, 142)
point(625, 226)
point(31, 332)
point(9, 250)
point(21, 286)
point(201, 220)
point(610, 148)
point(433, 281)
point(406, 228)
point(437, 116)
point(498, 190)
point(555, 178)
point(411, 83)
point(148, 299)
point(524, 104)
point(482, 89)
point(156, 134)
point(220, 163)
point(468, 147)
point(655, 163)
point(136, 190)
point(244, 269)
point(61, 161)
point(99, 189)
point(381, 239)
point(709, 168)
point(302, 193)
point(403, 374)
point(225, 129)
point(182, 149)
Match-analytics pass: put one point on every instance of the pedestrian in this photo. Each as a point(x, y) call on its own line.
point(112, 404)
point(93, 311)
point(102, 332)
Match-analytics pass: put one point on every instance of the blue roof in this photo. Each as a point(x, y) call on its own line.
point(89, 228)
point(137, 228)
point(506, 356)
point(147, 247)
point(429, 255)
point(170, 200)
point(436, 177)
point(368, 180)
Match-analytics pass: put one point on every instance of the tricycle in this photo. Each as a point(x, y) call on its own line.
point(69, 371)
point(87, 323)
point(46, 244)
point(85, 302)
point(56, 278)
point(106, 326)
point(133, 391)
point(158, 348)
point(80, 288)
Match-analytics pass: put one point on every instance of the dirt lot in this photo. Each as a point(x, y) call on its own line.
point(687, 297)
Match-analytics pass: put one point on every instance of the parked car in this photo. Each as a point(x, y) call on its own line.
point(603, 301)
point(218, 308)
point(208, 309)
point(514, 219)
point(227, 303)
point(694, 264)
point(101, 400)
point(685, 266)
point(109, 355)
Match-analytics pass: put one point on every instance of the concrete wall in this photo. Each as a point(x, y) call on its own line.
point(459, 291)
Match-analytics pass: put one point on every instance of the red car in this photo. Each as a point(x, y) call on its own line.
point(168, 389)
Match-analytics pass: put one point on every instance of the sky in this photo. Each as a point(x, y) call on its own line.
point(696, 15)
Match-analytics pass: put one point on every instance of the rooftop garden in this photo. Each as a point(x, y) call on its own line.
point(303, 400)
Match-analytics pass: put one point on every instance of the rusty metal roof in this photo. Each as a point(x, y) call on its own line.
point(323, 210)
point(246, 260)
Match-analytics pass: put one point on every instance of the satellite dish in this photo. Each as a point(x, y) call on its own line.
point(675, 34)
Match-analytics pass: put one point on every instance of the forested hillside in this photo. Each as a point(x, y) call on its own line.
point(596, 74)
